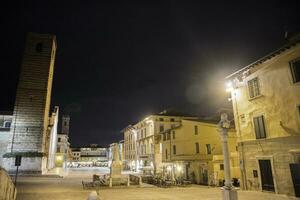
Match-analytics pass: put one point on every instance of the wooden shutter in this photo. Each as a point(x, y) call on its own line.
point(262, 127)
point(259, 127)
point(256, 127)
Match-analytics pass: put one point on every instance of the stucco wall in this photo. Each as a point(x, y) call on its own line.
point(279, 104)
point(32, 165)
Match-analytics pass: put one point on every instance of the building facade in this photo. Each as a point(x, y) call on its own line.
point(5, 128)
point(28, 134)
point(92, 155)
point(142, 146)
point(192, 151)
point(63, 152)
point(266, 101)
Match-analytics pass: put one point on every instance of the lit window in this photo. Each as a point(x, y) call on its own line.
point(295, 69)
point(253, 86)
point(259, 127)
point(197, 147)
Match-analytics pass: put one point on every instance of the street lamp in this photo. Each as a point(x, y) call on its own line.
point(228, 191)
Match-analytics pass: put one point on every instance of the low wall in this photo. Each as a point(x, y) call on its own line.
point(7, 187)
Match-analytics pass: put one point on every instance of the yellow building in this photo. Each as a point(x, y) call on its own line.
point(143, 149)
point(266, 102)
point(192, 150)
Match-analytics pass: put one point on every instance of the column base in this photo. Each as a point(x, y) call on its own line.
point(229, 193)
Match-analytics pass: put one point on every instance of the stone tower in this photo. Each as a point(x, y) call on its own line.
point(65, 124)
point(32, 104)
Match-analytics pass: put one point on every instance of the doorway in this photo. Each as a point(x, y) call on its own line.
point(266, 175)
point(295, 172)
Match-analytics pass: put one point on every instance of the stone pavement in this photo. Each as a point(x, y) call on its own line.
point(70, 188)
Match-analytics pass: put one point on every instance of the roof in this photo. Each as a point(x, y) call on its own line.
point(293, 41)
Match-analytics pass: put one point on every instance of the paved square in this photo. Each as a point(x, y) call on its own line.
point(70, 188)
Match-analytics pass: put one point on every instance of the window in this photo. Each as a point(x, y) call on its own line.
point(208, 148)
point(145, 132)
point(161, 119)
point(59, 139)
point(221, 166)
point(259, 127)
point(172, 120)
point(196, 130)
point(7, 124)
point(295, 69)
point(39, 47)
point(197, 147)
point(168, 136)
point(174, 149)
point(166, 153)
point(164, 136)
point(161, 127)
point(173, 133)
point(253, 86)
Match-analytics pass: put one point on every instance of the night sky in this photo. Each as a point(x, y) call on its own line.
point(118, 62)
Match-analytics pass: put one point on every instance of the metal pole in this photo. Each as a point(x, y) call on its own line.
point(16, 176)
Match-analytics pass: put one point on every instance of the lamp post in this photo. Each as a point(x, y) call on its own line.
point(228, 191)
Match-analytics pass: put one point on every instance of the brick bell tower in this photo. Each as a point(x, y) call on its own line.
point(32, 104)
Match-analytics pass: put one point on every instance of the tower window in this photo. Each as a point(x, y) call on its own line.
point(39, 47)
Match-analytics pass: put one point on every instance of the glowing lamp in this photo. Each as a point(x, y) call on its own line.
point(229, 86)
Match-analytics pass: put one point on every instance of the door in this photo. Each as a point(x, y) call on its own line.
point(295, 172)
point(266, 175)
point(204, 177)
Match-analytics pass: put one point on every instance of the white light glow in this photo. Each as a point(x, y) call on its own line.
point(229, 86)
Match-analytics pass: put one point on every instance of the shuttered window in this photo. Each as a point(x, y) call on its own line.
point(174, 149)
point(295, 69)
point(253, 86)
point(259, 127)
point(197, 147)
